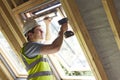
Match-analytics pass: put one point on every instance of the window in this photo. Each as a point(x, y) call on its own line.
point(69, 62)
point(13, 60)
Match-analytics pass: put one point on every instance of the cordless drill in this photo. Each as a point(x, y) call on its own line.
point(67, 33)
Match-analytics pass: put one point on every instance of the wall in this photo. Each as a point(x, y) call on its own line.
point(102, 36)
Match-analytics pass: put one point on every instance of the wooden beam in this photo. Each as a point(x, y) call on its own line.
point(84, 39)
point(113, 18)
point(9, 33)
point(28, 5)
point(9, 18)
point(4, 73)
point(14, 4)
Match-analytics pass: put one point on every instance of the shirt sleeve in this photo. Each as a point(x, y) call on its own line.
point(32, 49)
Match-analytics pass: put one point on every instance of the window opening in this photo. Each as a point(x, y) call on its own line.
point(70, 61)
point(12, 58)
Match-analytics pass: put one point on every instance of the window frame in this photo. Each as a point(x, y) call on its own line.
point(73, 13)
point(8, 55)
point(52, 59)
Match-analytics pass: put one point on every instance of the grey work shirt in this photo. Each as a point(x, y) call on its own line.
point(32, 49)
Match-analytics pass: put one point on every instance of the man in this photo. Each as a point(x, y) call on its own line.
point(33, 51)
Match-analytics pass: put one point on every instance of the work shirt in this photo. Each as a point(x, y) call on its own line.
point(40, 69)
point(32, 49)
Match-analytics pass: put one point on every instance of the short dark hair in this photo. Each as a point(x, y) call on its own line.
point(30, 31)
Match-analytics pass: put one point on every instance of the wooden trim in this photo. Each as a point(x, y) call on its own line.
point(27, 5)
point(4, 73)
point(9, 18)
point(113, 19)
point(14, 4)
point(84, 39)
point(8, 31)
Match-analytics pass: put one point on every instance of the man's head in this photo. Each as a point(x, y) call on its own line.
point(32, 30)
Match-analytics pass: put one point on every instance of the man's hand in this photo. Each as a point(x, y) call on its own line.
point(63, 29)
point(47, 20)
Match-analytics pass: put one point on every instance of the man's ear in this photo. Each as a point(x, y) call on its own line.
point(30, 34)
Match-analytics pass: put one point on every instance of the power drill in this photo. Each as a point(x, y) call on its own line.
point(67, 33)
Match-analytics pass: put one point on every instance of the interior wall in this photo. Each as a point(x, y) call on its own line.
point(102, 36)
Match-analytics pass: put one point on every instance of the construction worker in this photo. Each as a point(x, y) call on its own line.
point(34, 50)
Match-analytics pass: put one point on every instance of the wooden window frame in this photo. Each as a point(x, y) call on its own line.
point(73, 13)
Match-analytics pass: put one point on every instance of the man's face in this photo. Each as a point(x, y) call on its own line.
point(38, 34)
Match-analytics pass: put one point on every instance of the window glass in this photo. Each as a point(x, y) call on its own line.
point(11, 57)
point(70, 60)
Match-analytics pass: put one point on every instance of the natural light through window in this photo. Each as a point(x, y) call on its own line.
point(70, 62)
point(12, 58)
